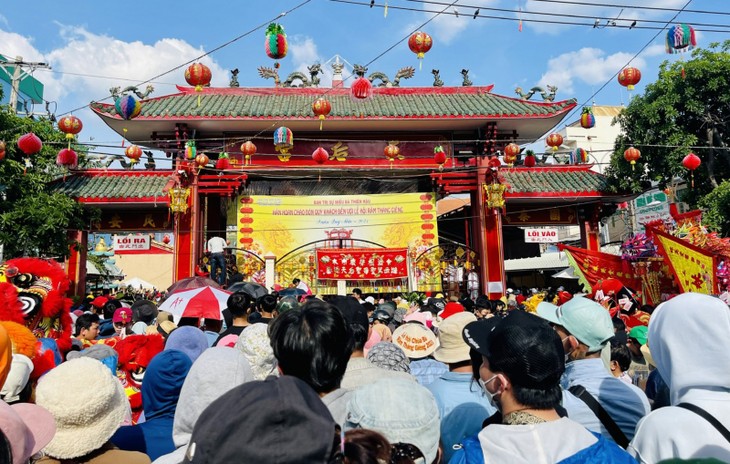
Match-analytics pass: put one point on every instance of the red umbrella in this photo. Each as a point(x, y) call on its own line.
point(192, 282)
point(204, 302)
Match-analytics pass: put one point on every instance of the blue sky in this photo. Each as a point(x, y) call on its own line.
point(95, 45)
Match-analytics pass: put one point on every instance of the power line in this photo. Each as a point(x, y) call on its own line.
point(634, 7)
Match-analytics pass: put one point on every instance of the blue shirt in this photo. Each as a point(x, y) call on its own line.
point(427, 370)
point(462, 407)
point(626, 404)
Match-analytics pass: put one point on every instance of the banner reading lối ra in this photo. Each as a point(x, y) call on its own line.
point(279, 224)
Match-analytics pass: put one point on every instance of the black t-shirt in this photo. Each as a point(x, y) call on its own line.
point(234, 330)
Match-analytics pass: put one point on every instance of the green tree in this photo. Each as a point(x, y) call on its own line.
point(686, 110)
point(34, 220)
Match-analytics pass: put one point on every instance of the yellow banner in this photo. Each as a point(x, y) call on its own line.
point(282, 223)
point(693, 268)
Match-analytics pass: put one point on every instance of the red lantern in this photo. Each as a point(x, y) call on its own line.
point(692, 162)
point(2, 150)
point(554, 140)
point(166, 239)
point(70, 125)
point(530, 160)
point(494, 163)
point(320, 155)
point(510, 153)
point(202, 160)
point(248, 149)
point(134, 153)
point(439, 156)
point(321, 108)
point(420, 43)
point(223, 162)
point(29, 144)
point(392, 152)
point(362, 88)
point(67, 158)
point(198, 75)
point(629, 77)
point(632, 155)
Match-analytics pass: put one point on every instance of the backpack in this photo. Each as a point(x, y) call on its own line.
point(469, 451)
point(600, 452)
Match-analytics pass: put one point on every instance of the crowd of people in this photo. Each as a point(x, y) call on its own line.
point(535, 376)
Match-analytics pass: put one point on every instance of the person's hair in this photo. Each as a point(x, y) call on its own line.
point(647, 308)
point(110, 307)
point(266, 303)
point(369, 307)
point(359, 335)
point(144, 311)
point(538, 399)
point(84, 321)
point(295, 281)
point(312, 343)
point(238, 304)
point(363, 446)
point(405, 453)
point(357, 291)
point(622, 356)
point(618, 324)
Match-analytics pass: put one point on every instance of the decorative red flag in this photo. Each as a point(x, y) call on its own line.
point(362, 263)
point(591, 267)
point(693, 267)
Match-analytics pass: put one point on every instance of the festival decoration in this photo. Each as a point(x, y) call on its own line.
point(554, 140)
point(389, 263)
point(283, 142)
point(680, 38)
point(529, 161)
point(439, 156)
point(166, 239)
point(392, 152)
point(579, 155)
point(632, 155)
point(362, 88)
point(692, 266)
point(276, 43)
point(587, 120)
point(691, 162)
point(223, 162)
point(629, 77)
point(248, 149)
point(321, 108)
point(67, 158)
point(70, 125)
point(320, 155)
point(30, 144)
point(199, 76)
point(420, 43)
point(127, 107)
point(511, 151)
point(134, 153)
point(2, 150)
point(134, 355)
point(201, 160)
point(191, 150)
point(179, 199)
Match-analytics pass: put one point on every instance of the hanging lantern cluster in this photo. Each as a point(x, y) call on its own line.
point(587, 120)
point(321, 108)
point(201, 161)
point(70, 125)
point(692, 162)
point(2, 150)
point(420, 43)
point(276, 43)
point(29, 144)
point(134, 153)
point(554, 141)
point(439, 156)
point(632, 155)
point(191, 150)
point(511, 151)
point(578, 156)
point(199, 76)
point(248, 149)
point(223, 162)
point(529, 161)
point(283, 142)
point(629, 77)
point(320, 155)
point(680, 38)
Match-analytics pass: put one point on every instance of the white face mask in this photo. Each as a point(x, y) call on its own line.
point(490, 395)
point(567, 354)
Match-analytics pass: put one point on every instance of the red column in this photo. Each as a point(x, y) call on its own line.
point(76, 262)
point(489, 242)
point(589, 237)
point(183, 258)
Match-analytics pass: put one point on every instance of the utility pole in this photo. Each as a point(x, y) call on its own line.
point(19, 74)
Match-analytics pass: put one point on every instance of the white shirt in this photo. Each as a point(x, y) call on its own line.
point(216, 245)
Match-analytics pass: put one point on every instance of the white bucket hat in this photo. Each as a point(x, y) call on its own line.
point(86, 418)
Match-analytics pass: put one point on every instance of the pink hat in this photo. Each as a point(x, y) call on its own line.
point(29, 428)
point(229, 341)
point(425, 318)
point(123, 315)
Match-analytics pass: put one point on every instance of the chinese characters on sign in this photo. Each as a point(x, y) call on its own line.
point(362, 263)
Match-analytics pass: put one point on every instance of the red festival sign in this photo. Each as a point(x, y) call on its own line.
point(362, 263)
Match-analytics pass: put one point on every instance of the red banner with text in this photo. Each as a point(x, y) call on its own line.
point(592, 267)
point(362, 263)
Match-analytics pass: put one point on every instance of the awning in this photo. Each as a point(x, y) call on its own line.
point(566, 273)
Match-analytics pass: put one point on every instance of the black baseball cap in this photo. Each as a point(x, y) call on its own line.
point(351, 310)
point(522, 346)
point(280, 419)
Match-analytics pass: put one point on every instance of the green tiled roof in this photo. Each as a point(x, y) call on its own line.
point(115, 186)
point(445, 102)
point(553, 180)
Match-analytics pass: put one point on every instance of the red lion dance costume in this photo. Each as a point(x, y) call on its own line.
point(33, 293)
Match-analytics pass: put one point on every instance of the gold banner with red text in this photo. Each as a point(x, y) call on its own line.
point(362, 263)
point(693, 267)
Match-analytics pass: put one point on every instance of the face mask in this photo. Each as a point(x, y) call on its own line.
point(490, 395)
point(567, 355)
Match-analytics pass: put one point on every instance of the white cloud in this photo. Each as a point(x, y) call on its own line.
point(12, 45)
point(303, 52)
point(589, 65)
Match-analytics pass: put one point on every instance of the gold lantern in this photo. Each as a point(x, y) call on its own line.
point(179, 199)
point(494, 194)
